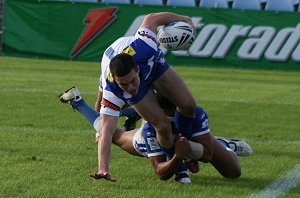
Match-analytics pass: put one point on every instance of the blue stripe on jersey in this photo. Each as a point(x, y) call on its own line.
point(110, 53)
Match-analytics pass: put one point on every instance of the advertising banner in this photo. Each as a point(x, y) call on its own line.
point(82, 31)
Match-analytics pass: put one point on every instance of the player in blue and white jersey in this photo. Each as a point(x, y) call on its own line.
point(202, 145)
point(130, 68)
point(205, 147)
point(131, 115)
point(134, 143)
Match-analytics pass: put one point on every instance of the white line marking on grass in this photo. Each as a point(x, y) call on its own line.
point(272, 142)
point(253, 101)
point(281, 185)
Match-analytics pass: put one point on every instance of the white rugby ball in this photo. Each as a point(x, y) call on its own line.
point(176, 36)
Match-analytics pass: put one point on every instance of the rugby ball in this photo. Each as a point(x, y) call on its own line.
point(176, 36)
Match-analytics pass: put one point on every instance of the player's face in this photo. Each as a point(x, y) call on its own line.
point(129, 83)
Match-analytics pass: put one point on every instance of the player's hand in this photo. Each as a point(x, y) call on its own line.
point(190, 22)
point(105, 176)
point(182, 147)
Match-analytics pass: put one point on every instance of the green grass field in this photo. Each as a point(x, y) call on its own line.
point(47, 150)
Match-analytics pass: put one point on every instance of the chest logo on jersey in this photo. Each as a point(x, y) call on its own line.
point(129, 50)
point(110, 77)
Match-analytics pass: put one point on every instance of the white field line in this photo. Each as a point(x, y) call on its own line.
point(253, 101)
point(269, 142)
point(281, 186)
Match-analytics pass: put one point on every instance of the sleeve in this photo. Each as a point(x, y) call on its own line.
point(112, 99)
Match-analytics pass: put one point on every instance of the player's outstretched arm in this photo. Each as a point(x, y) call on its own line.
point(109, 125)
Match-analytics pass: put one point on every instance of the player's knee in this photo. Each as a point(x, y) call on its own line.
point(233, 174)
point(163, 128)
point(188, 107)
point(237, 173)
point(164, 134)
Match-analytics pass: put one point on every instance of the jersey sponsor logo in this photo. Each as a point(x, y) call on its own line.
point(153, 143)
point(110, 105)
point(110, 77)
point(129, 50)
point(97, 21)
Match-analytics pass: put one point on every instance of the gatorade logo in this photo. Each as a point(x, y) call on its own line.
point(259, 42)
point(97, 21)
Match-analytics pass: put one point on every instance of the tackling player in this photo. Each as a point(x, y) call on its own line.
point(143, 142)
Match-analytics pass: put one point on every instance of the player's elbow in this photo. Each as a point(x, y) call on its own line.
point(163, 177)
point(150, 17)
point(162, 174)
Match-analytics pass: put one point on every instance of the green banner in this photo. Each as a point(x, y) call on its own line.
point(82, 31)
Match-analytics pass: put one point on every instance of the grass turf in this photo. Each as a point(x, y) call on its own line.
point(47, 150)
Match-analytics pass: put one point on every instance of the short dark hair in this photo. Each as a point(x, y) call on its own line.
point(122, 64)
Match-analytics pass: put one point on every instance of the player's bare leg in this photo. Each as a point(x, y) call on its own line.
point(123, 139)
point(171, 86)
point(225, 161)
point(149, 109)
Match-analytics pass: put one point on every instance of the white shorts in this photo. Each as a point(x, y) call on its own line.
point(138, 143)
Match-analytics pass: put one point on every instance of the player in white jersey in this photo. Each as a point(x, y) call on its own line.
point(131, 115)
point(131, 67)
point(143, 142)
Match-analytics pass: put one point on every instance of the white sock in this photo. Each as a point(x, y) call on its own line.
point(97, 125)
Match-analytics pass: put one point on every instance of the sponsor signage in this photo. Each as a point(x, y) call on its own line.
point(82, 31)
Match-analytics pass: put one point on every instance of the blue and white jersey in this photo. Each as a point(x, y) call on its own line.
point(150, 59)
point(145, 141)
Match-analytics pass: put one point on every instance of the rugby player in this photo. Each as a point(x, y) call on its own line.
point(130, 68)
point(143, 142)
